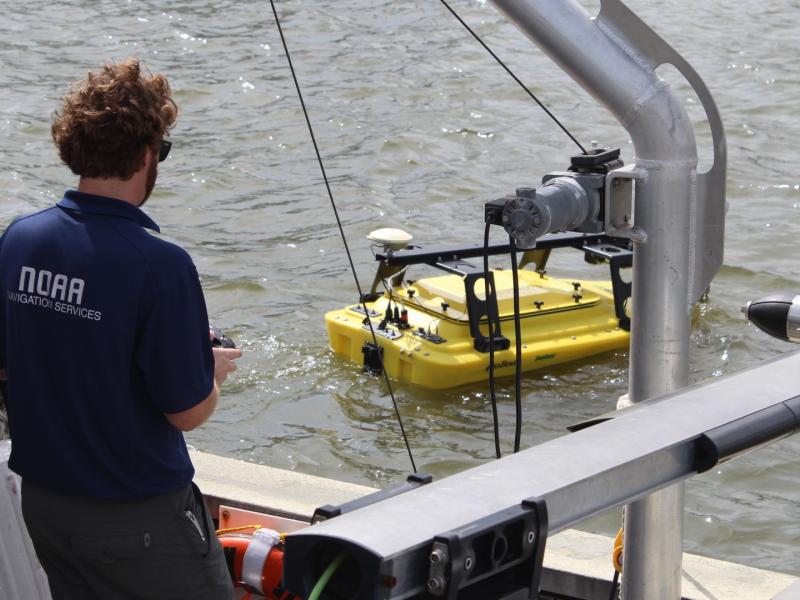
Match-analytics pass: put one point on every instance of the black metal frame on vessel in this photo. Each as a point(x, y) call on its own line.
point(596, 248)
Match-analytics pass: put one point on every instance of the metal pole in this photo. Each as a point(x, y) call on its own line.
point(659, 363)
point(616, 70)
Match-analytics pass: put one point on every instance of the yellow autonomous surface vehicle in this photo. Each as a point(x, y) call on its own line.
point(435, 331)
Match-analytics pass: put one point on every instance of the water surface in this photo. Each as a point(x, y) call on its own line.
point(417, 127)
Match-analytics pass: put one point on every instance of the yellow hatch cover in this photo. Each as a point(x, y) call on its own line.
point(553, 294)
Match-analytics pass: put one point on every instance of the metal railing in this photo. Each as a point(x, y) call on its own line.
point(644, 448)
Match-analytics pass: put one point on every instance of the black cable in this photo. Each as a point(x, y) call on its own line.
point(518, 348)
point(510, 72)
point(490, 325)
point(341, 231)
point(614, 583)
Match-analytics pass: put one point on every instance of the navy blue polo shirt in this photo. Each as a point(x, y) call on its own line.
point(103, 330)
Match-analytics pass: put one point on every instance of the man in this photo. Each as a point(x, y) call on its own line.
point(3, 414)
point(104, 342)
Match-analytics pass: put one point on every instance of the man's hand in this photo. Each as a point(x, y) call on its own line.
point(223, 363)
point(197, 415)
point(2, 375)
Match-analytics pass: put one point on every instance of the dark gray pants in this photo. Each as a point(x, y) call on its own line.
point(150, 549)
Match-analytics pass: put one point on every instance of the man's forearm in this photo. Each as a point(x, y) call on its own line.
point(193, 417)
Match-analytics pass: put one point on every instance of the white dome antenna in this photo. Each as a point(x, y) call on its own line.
point(388, 237)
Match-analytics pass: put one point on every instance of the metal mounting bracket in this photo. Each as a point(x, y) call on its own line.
point(498, 557)
point(478, 308)
point(620, 203)
point(618, 258)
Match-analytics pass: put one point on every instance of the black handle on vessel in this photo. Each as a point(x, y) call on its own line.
point(723, 443)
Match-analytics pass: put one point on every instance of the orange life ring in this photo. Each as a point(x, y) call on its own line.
point(256, 567)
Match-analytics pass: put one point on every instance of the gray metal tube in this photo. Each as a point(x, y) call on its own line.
point(611, 68)
point(564, 203)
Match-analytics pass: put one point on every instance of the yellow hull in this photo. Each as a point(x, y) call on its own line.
point(561, 321)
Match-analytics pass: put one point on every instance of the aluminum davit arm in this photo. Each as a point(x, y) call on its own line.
point(679, 213)
point(614, 57)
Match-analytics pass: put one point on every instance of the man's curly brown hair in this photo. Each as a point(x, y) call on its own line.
point(110, 118)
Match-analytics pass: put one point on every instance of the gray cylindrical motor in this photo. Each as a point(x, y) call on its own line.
point(561, 204)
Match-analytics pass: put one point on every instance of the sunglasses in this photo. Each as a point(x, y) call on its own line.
point(163, 152)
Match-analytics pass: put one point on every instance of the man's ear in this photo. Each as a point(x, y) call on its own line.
point(150, 155)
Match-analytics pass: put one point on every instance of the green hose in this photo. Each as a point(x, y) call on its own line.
point(323, 581)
